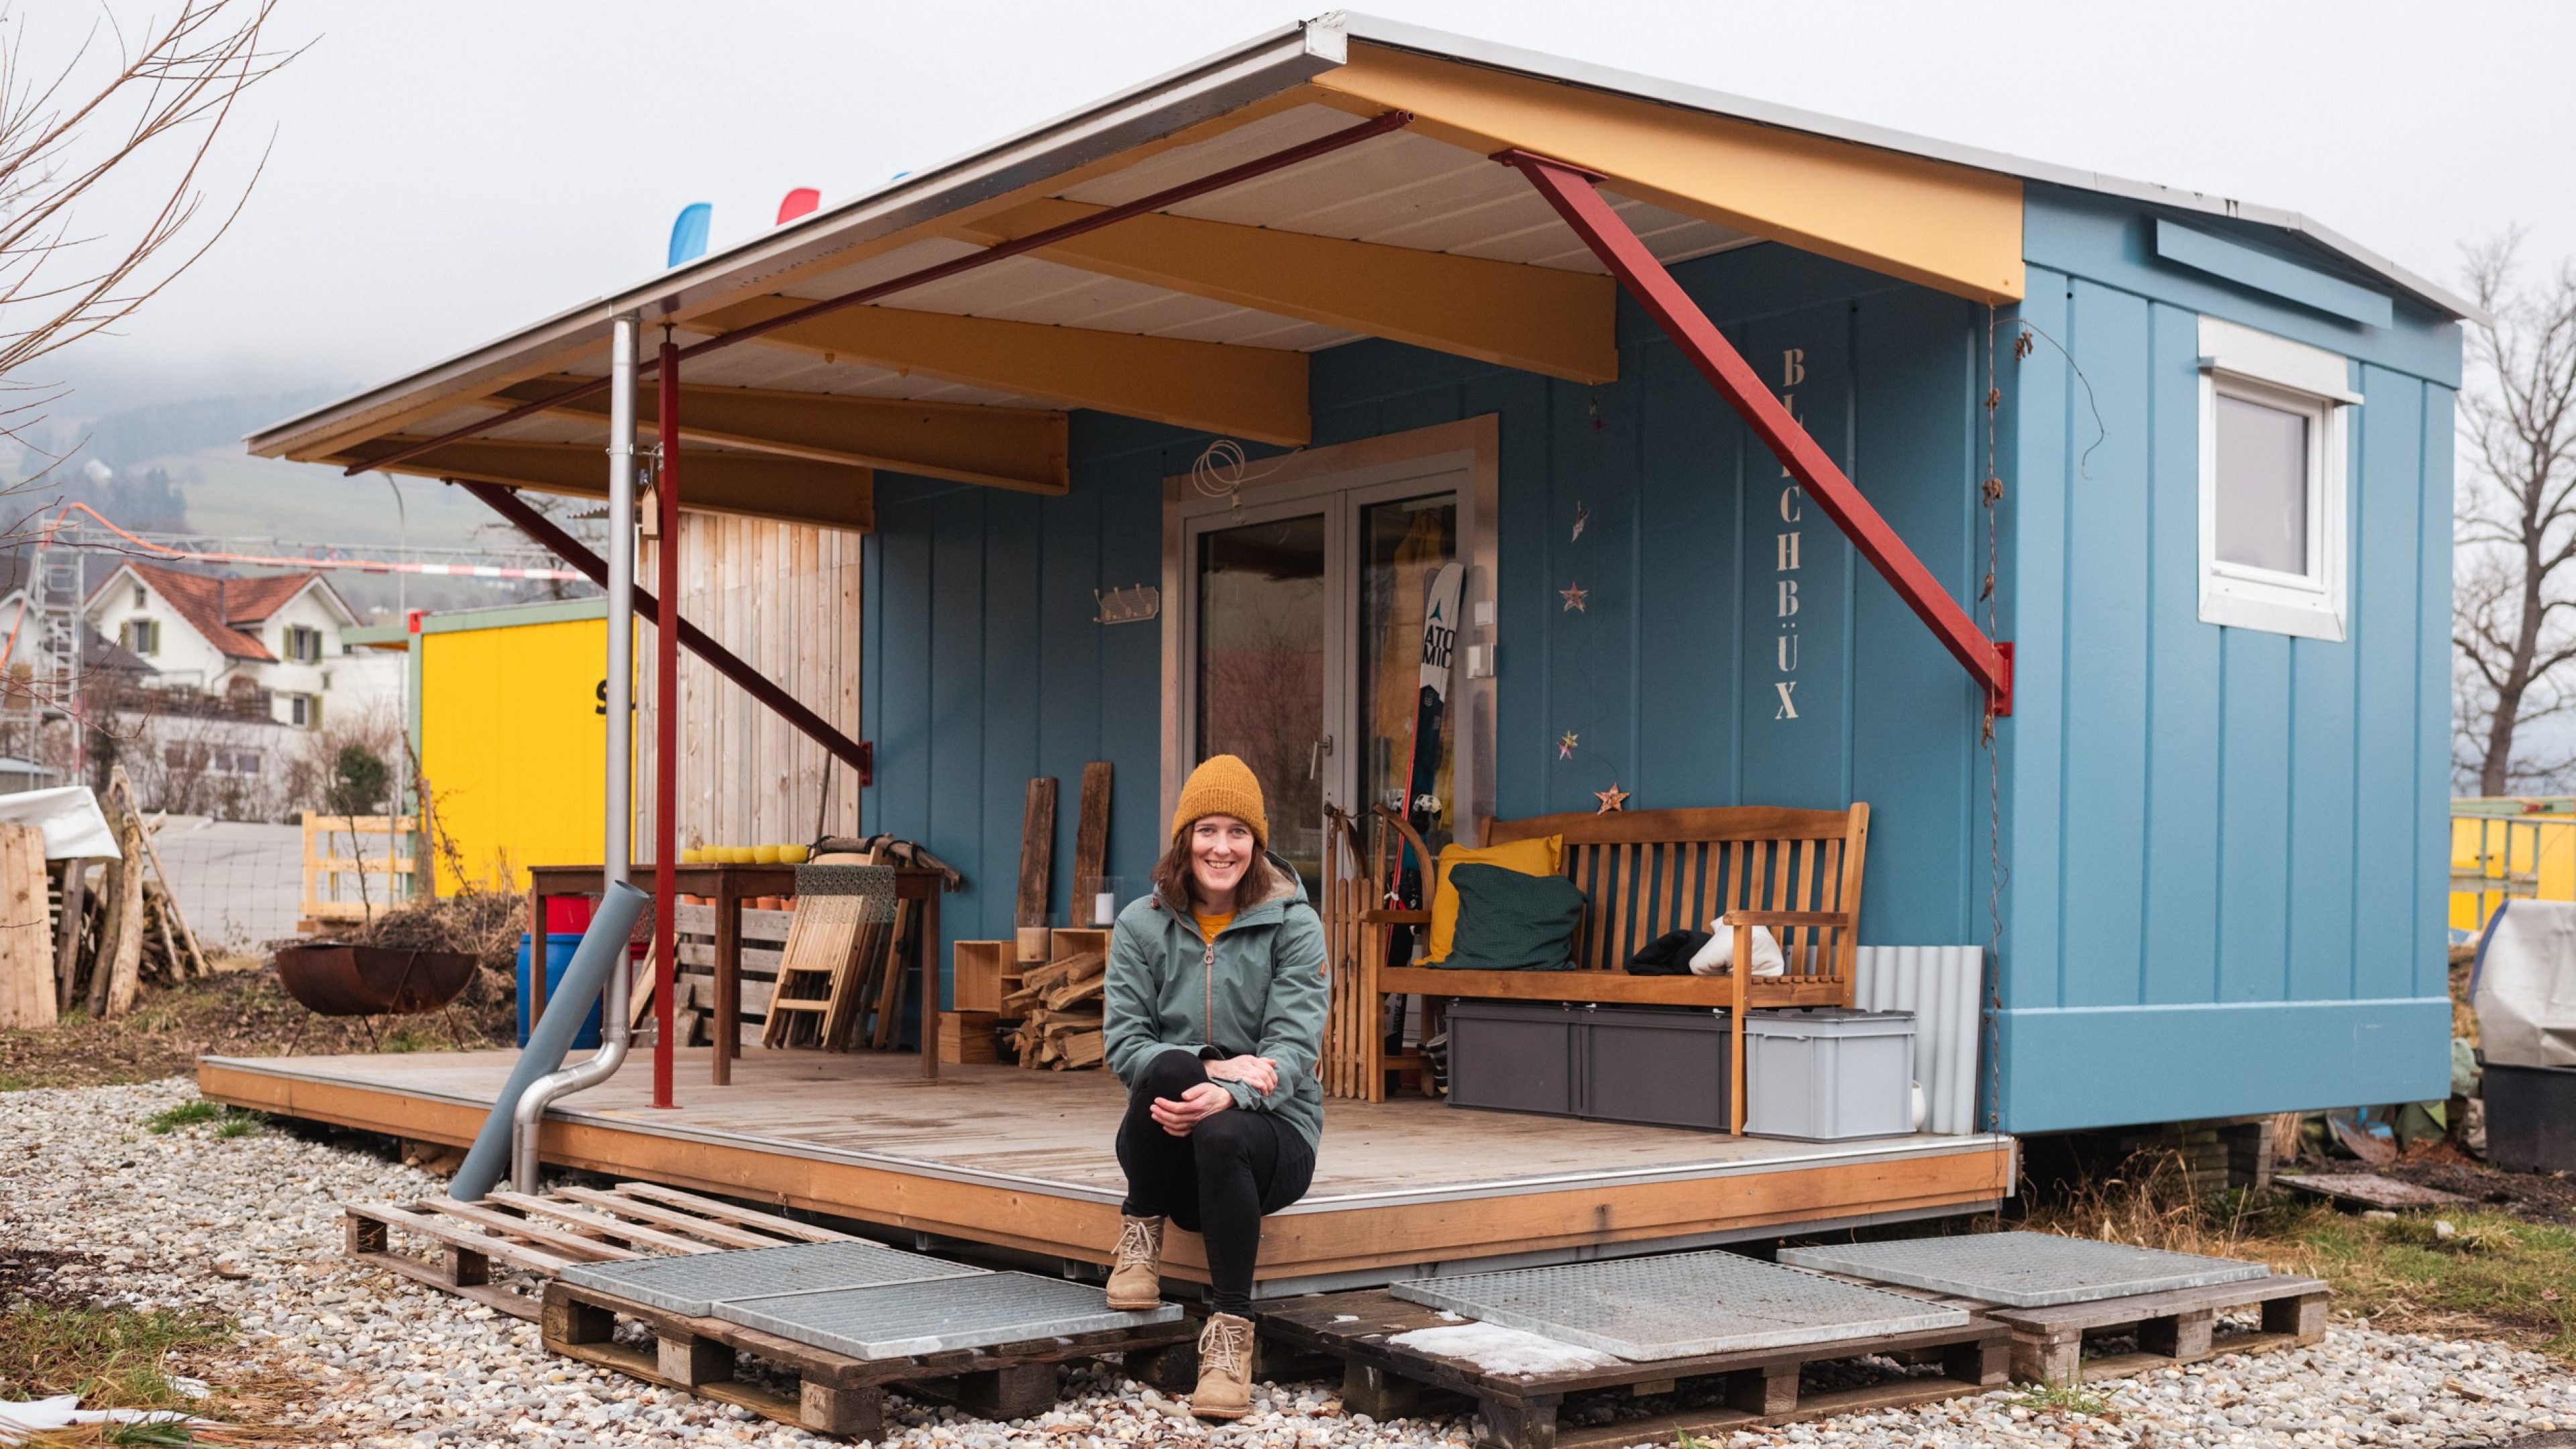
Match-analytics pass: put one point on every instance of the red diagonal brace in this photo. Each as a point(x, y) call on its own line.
point(1570, 190)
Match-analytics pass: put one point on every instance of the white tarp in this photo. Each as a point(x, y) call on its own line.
point(74, 827)
point(2526, 985)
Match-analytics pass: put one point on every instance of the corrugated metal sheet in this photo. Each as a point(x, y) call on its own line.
point(1942, 986)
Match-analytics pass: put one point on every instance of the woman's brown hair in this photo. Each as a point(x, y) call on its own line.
point(1172, 882)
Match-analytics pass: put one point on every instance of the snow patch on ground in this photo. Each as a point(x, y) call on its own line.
point(1500, 1350)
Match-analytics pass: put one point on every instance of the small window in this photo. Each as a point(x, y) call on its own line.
point(303, 644)
point(140, 636)
point(138, 596)
point(2273, 484)
point(304, 711)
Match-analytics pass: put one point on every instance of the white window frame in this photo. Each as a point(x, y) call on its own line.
point(2313, 383)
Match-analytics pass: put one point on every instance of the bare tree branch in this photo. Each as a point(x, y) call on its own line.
point(2515, 526)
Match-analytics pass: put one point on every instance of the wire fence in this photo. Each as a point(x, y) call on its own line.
point(239, 884)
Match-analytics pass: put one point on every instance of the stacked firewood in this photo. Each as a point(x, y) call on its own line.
point(116, 923)
point(1060, 1012)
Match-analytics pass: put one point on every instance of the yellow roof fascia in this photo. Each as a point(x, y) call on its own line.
point(791, 490)
point(1022, 449)
point(1539, 319)
point(1256, 393)
point(1944, 226)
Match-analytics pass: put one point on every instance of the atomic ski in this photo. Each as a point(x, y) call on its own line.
point(1417, 801)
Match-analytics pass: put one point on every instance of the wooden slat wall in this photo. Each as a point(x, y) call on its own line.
point(785, 597)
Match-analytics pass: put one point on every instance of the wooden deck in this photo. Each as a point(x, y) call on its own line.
point(1023, 1160)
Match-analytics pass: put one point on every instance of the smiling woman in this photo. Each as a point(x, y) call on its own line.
point(1215, 1015)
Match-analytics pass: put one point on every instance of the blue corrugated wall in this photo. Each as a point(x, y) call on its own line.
point(2227, 847)
point(2168, 952)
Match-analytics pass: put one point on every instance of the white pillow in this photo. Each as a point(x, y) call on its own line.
point(1718, 956)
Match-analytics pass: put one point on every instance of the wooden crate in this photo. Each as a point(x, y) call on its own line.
point(835, 1394)
point(981, 970)
point(1066, 941)
point(966, 1037)
point(1519, 1411)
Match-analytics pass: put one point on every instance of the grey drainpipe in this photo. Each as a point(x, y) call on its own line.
point(615, 1037)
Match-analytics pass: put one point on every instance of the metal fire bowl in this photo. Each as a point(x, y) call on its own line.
point(343, 980)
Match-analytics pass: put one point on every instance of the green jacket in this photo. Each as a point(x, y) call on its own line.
point(1259, 991)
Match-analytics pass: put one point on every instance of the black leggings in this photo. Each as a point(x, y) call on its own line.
point(1216, 1182)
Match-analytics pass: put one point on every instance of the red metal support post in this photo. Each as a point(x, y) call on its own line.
point(666, 726)
point(1570, 190)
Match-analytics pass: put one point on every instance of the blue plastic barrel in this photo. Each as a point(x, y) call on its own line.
point(559, 949)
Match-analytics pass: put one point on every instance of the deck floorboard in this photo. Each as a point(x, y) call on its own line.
point(1025, 1159)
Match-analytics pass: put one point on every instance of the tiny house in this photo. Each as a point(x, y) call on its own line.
point(2095, 535)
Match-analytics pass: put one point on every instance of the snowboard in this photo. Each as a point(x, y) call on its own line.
point(1418, 803)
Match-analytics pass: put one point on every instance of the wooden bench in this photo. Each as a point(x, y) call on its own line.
point(1647, 872)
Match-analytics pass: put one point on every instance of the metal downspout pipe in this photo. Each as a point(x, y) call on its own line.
point(615, 1035)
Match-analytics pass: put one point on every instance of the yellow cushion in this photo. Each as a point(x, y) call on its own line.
point(1541, 855)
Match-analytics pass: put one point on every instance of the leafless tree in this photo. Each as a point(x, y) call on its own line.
point(2513, 610)
point(73, 134)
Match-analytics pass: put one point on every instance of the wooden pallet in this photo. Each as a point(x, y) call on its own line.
point(2177, 1327)
point(540, 1235)
point(1519, 1411)
point(835, 1393)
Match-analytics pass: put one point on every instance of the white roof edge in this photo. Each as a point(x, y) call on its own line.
point(1539, 65)
point(1265, 65)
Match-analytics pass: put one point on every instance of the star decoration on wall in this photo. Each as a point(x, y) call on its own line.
point(1574, 595)
point(1565, 744)
point(1611, 799)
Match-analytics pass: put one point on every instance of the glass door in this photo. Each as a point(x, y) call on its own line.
point(1265, 659)
point(1403, 544)
point(1302, 645)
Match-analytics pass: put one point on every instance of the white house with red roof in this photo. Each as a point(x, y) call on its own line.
point(278, 635)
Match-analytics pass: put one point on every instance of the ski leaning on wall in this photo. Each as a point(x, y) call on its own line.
point(1418, 802)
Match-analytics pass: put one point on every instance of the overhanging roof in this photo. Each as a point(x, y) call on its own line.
point(1201, 313)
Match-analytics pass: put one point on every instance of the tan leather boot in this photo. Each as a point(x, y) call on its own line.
point(1136, 1268)
point(1225, 1368)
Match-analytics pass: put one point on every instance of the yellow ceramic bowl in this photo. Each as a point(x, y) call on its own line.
point(692, 856)
point(793, 854)
point(764, 854)
point(737, 855)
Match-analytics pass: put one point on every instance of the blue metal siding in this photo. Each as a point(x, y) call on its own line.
point(2227, 846)
point(2224, 848)
point(984, 667)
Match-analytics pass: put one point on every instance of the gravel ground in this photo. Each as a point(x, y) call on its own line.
point(249, 1227)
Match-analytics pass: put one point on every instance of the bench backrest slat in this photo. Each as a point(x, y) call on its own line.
point(1649, 872)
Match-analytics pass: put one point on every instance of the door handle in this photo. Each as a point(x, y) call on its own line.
point(1315, 757)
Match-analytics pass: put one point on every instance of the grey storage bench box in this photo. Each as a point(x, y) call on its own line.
point(1817, 1075)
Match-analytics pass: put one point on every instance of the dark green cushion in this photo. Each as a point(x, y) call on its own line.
point(1508, 921)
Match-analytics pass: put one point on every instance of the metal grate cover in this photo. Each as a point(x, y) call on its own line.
point(901, 1319)
point(2024, 1270)
point(695, 1284)
point(1679, 1305)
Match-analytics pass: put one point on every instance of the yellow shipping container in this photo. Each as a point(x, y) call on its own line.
point(508, 724)
point(2510, 848)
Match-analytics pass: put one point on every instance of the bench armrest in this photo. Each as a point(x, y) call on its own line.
point(1787, 919)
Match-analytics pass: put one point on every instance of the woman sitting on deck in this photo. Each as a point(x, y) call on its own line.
point(1215, 1015)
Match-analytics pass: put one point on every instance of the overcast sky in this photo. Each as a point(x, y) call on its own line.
point(442, 173)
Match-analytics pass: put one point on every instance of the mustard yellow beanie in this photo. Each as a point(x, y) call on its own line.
point(1222, 785)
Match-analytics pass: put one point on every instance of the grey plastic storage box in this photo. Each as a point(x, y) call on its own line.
point(1661, 1067)
point(1820, 1074)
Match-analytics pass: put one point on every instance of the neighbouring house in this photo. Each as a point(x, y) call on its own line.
point(1719, 404)
point(224, 681)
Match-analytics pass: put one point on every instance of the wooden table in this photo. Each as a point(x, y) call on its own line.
point(729, 886)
